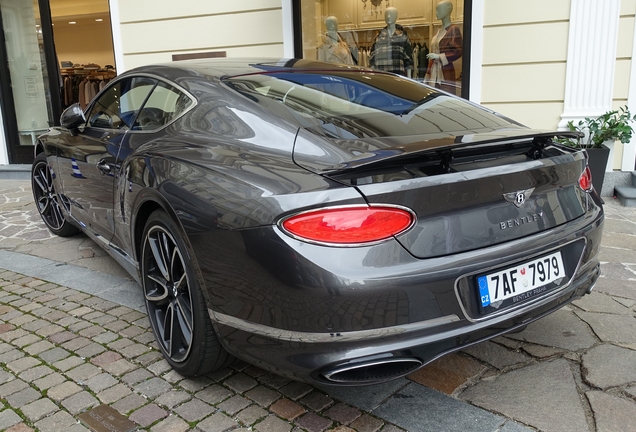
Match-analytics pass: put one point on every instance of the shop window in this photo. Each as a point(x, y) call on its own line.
point(420, 39)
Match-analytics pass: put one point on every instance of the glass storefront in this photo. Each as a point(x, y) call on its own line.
point(420, 39)
point(28, 70)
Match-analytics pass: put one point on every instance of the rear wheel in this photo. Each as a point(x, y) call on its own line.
point(48, 202)
point(176, 307)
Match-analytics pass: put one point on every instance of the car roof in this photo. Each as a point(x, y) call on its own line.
point(232, 67)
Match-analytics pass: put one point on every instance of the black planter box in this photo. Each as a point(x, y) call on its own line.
point(598, 162)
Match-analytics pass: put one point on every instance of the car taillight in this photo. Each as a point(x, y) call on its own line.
point(349, 225)
point(585, 181)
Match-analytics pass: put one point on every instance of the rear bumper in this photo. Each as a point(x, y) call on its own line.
point(311, 356)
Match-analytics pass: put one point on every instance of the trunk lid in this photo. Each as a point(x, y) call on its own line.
point(468, 192)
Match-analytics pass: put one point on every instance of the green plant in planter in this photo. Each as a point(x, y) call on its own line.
point(613, 125)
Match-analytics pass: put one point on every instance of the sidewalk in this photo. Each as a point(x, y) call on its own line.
point(73, 335)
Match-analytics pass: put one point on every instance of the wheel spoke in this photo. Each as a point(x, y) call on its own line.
point(43, 204)
point(38, 180)
point(155, 247)
point(57, 214)
point(154, 293)
point(168, 328)
point(184, 316)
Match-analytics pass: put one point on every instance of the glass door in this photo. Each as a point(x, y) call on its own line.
point(26, 83)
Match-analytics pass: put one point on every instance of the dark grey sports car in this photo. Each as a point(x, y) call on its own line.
point(329, 223)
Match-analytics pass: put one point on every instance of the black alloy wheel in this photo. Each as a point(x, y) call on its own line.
point(48, 202)
point(175, 304)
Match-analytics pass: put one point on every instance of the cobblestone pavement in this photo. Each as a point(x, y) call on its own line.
point(68, 344)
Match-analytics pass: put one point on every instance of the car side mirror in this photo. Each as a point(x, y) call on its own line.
point(72, 117)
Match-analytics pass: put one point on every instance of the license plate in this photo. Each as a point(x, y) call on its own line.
point(520, 282)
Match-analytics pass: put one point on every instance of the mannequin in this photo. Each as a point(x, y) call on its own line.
point(446, 47)
point(333, 48)
point(392, 50)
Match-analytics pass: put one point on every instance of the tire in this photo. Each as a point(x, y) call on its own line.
point(176, 308)
point(47, 201)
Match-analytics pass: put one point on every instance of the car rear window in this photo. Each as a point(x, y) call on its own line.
point(359, 104)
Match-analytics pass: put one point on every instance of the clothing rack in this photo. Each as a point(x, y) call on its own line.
point(81, 85)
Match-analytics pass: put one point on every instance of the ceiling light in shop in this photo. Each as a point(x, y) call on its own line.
point(72, 22)
point(99, 19)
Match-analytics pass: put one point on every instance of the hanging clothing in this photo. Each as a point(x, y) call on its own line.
point(423, 61)
point(334, 51)
point(448, 44)
point(392, 53)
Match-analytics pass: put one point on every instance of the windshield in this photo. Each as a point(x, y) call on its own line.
point(364, 104)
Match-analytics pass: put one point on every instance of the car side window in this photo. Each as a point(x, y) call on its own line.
point(117, 107)
point(164, 105)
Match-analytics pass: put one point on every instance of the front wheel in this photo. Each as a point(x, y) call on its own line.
point(47, 200)
point(176, 307)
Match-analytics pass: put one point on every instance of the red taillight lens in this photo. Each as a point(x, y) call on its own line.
point(349, 225)
point(585, 181)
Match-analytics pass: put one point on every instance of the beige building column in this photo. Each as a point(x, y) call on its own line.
point(629, 150)
point(591, 59)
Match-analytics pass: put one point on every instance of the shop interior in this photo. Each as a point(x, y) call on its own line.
point(84, 47)
point(360, 24)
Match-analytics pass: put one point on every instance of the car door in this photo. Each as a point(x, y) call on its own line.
point(87, 163)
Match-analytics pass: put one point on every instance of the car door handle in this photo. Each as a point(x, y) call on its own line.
point(103, 167)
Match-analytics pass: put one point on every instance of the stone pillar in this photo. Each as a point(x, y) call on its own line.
point(591, 60)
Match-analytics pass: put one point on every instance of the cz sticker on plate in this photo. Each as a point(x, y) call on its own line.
point(523, 281)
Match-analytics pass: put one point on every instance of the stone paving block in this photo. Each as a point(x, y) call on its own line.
point(295, 390)
point(148, 358)
point(5, 377)
point(194, 410)
point(8, 418)
point(612, 413)
point(133, 350)
point(348, 429)
point(611, 328)
point(160, 367)
point(39, 409)
point(606, 366)
point(92, 331)
point(129, 403)
point(214, 394)
point(100, 382)
point(63, 391)
point(20, 427)
point(561, 329)
point(114, 393)
point(68, 363)
point(450, 372)
point(251, 415)
point(494, 354)
point(23, 364)
point(60, 421)
point(73, 324)
point(12, 387)
point(106, 337)
point(49, 381)
point(37, 372)
point(13, 334)
point(119, 367)
point(61, 337)
point(104, 319)
point(313, 422)
point(10, 356)
point(147, 415)
point(5, 327)
point(263, 395)
point(90, 350)
point(174, 377)
point(116, 326)
point(599, 302)
point(82, 310)
point(23, 397)
point(386, 428)
point(343, 413)
point(316, 401)
point(240, 382)
point(83, 372)
point(105, 358)
point(217, 423)
point(542, 384)
point(173, 398)
point(366, 397)
point(220, 375)
point(194, 384)
point(26, 340)
point(132, 331)
point(234, 404)
point(153, 387)
point(367, 423)
point(39, 347)
point(136, 376)
point(22, 320)
point(79, 402)
point(287, 409)
point(75, 344)
point(171, 424)
point(49, 330)
point(273, 424)
point(145, 338)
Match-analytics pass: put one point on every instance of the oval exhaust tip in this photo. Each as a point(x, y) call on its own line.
point(371, 372)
